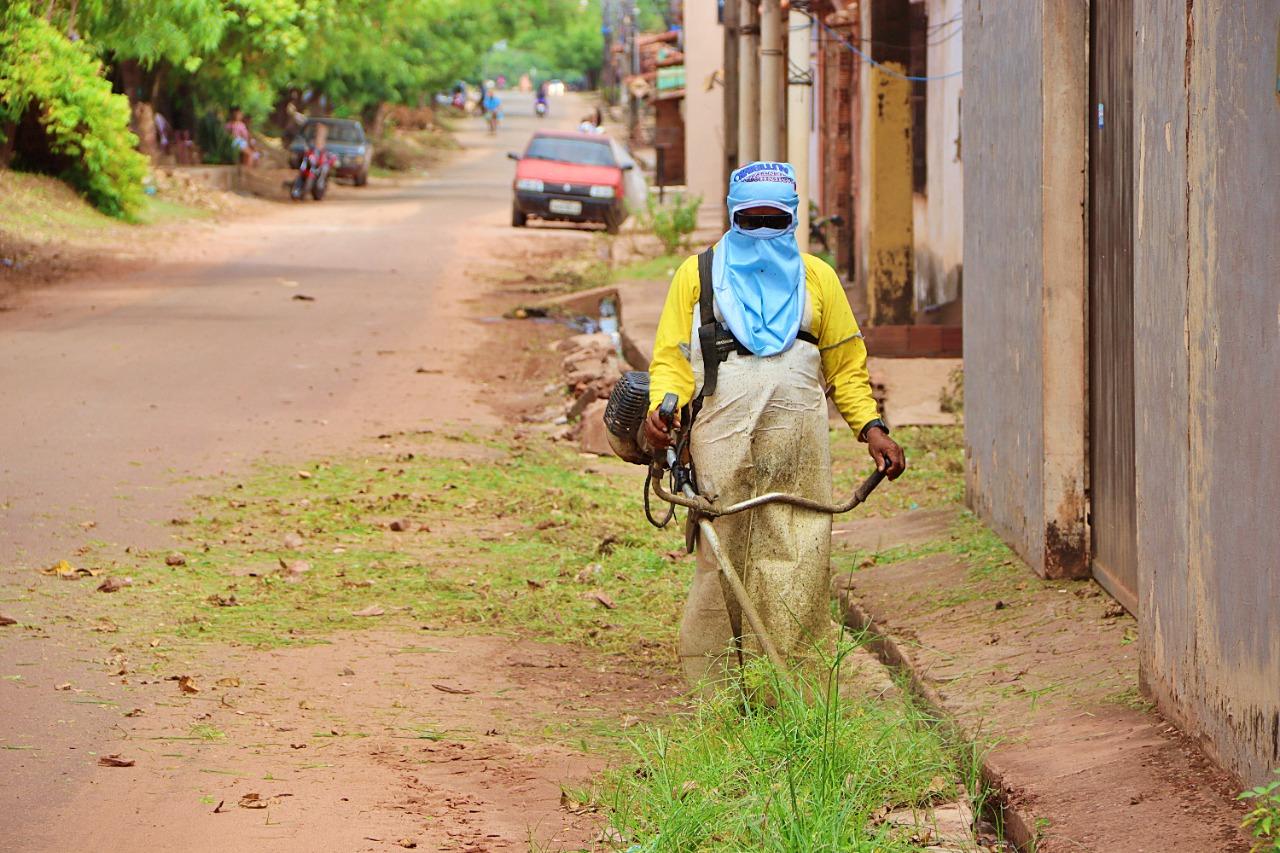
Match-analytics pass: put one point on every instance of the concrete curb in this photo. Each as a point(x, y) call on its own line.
point(1018, 823)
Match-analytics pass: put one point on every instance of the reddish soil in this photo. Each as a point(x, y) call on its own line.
point(139, 385)
point(370, 742)
point(1046, 673)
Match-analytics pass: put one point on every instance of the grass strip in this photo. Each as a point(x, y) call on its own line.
point(775, 764)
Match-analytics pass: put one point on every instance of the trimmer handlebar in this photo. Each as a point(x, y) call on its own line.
point(667, 411)
point(708, 508)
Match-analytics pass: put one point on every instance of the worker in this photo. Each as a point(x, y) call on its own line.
point(753, 336)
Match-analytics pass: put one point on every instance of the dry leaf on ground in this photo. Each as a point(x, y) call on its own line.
point(114, 760)
point(459, 691)
point(294, 569)
point(399, 525)
point(599, 598)
point(5, 620)
point(228, 682)
point(175, 559)
point(66, 571)
point(187, 684)
point(253, 801)
point(371, 610)
point(114, 584)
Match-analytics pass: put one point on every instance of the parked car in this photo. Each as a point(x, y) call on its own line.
point(571, 177)
point(345, 140)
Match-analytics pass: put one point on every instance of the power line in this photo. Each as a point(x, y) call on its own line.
point(876, 64)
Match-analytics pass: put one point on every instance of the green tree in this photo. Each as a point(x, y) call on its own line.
point(59, 83)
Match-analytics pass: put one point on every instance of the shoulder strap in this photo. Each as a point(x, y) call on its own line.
point(707, 327)
point(706, 292)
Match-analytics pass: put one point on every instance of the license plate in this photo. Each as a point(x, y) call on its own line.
point(559, 205)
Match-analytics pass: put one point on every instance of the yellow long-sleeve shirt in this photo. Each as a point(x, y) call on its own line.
point(844, 353)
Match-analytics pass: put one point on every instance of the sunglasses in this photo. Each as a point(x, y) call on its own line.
point(755, 221)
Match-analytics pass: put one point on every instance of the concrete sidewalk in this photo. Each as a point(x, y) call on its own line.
point(1045, 675)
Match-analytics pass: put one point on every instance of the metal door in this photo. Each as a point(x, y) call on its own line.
point(1111, 469)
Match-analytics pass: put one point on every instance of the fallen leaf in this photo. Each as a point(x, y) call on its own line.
point(371, 610)
point(253, 801)
point(346, 670)
point(114, 760)
point(223, 600)
point(599, 598)
point(114, 584)
point(536, 584)
point(187, 684)
point(297, 746)
point(218, 808)
point(88, 525)
point(302, 297)
point(408, 843)
point(589, 573)
point(304, 475)
point(136, 712)
point(294, 569)
point(458, 691)
point(64, 570)
point(606, 545)
point(688, 787)
point(175, 559)
point(5, 620)
point(66, 685)
point(229, 681)
point(399, 525)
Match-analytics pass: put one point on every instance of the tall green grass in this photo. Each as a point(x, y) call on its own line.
point(784, 764)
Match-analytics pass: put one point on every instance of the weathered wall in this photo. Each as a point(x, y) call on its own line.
point(939, 233)
point(1024, 190)
point(704, 106)
point(1001, 128)
point(1207, 309)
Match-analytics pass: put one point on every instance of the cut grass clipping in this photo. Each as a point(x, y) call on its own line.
point(447, 531)
point(797, 773)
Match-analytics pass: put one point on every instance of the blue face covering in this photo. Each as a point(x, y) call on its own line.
point(758, 275)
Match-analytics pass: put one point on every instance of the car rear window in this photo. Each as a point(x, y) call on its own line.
point(338, 131)
point(569, 150)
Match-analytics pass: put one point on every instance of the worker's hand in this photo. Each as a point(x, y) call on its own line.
point(888, 456)
point(655, 431)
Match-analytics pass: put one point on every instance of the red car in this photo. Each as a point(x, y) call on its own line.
point(572, 177)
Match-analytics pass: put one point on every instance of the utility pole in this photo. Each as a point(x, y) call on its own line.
point(631, 22)
point(799, 100)
point(748, 81)
point(770, 80)
point(730, 24)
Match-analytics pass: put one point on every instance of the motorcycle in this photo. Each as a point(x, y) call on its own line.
point(540, 107)
point(313, 174)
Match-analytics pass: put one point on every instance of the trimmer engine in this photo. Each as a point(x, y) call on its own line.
point(624, 416)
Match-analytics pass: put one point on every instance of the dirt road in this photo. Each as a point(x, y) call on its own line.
point(290, 335)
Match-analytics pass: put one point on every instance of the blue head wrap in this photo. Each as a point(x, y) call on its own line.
point(758, 275)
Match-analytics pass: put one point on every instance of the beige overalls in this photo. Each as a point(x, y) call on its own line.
point(764, 430)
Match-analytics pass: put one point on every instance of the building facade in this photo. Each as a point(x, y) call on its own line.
point(1122, 314)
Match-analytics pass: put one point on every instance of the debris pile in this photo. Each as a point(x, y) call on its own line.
point(591, 367)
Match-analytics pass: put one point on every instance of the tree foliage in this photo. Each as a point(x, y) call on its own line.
point(84, 122)
point(206, 55)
